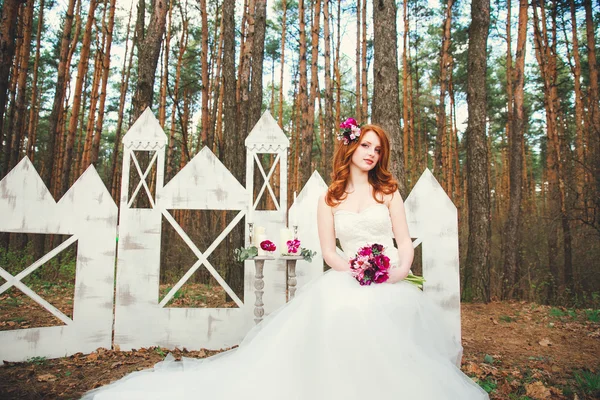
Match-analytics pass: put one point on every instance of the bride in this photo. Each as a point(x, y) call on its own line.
point(337, 340)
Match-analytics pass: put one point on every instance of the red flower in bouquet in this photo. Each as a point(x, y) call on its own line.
point(370, 265)
point(267, 245)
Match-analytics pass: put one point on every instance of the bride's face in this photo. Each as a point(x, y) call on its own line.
point(368, 151)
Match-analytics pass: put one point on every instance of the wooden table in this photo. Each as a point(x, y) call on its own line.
point(259, 283)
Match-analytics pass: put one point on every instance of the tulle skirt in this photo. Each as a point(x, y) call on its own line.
point(336, 340)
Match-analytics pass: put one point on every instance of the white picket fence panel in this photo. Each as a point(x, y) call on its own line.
point(89, 215)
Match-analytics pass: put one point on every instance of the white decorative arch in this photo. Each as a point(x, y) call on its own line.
point(204, 183)
point(267, 138)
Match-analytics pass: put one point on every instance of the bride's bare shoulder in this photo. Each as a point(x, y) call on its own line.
point(392, 198)
point(323, 206)
point(323, 203)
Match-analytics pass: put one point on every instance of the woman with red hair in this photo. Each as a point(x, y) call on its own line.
point(398, 327)
point(338, 339)
point(361, 181)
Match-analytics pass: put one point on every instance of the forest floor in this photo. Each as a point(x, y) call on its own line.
point(514, 350)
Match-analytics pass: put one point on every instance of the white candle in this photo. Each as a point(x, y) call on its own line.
point(295, 216)
point(284, 236)
point(259, 235)
point(250, 216)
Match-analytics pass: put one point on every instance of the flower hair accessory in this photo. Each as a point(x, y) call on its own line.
point(350, 131)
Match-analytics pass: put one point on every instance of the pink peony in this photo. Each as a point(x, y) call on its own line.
point(293, 246)
point(348, 123)
point(381, 277)
point(365, 251)
point(267, 245)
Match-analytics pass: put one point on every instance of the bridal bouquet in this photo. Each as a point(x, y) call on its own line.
point(371, 265)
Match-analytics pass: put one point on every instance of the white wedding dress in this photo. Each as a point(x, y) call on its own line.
point(336, 340)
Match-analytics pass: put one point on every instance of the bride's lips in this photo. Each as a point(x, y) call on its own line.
point(370, 162)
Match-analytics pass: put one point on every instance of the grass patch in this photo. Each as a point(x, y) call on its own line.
point(37, 360)
point(588, 382)
point(557, 312)
point(592, 315)
point(513, 396)
point(488, 359)
point(507, 319)
point(488, 384)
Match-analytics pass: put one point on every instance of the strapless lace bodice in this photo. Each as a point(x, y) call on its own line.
point(371, 225)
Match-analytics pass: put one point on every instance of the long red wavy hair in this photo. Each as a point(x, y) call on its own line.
point(379, 177)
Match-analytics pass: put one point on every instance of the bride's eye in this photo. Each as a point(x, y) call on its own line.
point(364, 145)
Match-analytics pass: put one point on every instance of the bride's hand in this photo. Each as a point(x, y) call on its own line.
point(396, 275)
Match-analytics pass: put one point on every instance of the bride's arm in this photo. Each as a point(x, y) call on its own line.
point(327, 237)
point(406, 252)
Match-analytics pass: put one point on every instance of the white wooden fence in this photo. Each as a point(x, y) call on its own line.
point(88, 214)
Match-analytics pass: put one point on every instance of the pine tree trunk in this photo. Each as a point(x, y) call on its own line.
point(305, 130)
point(234, 145)
point(148, 52)
point(329, 128)
point(593, 107)
point(8, 35)
point(125, 73)
point(215, 135)
point(385, 107)
point(450, 154)
point(81, 72)
point(19, 126)
point(405, 72)
point(516, 130)
point(91, 109)
point(12, 104)
point(314, 82)
point(546, 55)
point(258, 55)
point(205, 80)
point(445, 65)
point(33, 107)
point(164, 81)
point(365, 108)
point(336, 68)
point(105, 73)
point(579, 113)
point(245, 70)
point(282, 62)
point(477, 265)
point(358, 99)
point(183, 42)
point(243, 50)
